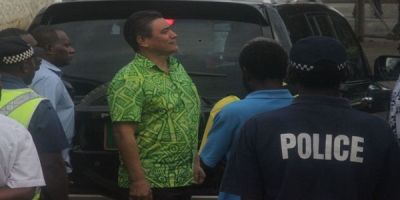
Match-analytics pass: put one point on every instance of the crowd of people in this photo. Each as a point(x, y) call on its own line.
point(312, 145)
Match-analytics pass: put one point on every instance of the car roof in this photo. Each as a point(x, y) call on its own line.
point(250, 10)
point(68, 11)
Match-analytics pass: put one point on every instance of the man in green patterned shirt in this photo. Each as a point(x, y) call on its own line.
point(155, 110)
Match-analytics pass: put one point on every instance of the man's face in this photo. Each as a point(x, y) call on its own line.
point(162, 40)
point(61, 50)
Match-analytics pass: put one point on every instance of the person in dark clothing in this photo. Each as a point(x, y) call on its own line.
point(318, 147)
point(18, 66)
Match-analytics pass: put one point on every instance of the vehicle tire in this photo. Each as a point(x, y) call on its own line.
point(96, 97)
point(90, 170)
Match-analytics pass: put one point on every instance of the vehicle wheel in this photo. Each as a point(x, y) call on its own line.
point(96, 97)
point(91, 168)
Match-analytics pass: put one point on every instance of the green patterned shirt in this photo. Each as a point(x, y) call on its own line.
point(166, 108)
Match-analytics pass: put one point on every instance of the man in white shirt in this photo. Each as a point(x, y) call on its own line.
point(47, 81)
point(20, 170)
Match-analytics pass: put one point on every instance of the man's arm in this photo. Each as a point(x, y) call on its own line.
point(55, 176)
point(7, 193)
point(25, 172)
point(242, 175)
point(220, 138)
point(50, 140)
point(198, 172)
point(49, 87)
point(388, 181)
point(124, 133)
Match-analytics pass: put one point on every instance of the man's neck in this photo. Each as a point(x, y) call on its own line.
point(51, 61)
point(160, 60)
point(266, 85)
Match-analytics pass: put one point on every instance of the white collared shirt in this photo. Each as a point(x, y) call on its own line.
point(48, 84)
point(19, 161)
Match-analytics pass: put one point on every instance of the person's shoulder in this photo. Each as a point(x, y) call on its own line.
point(45, 74)
point(11, 127)
point(7, 122)
point(45, 103)
point(132, 70)
point(276, 114)
point(234, 107)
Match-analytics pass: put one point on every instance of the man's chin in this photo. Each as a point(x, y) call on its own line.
point(173, 51)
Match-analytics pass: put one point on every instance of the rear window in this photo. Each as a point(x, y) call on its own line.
point(208, 49)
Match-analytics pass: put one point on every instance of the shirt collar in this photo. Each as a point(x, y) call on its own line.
point(319, 99)
point(12, 82)
point(264, 94)
point(49, 66)
point(145, 62)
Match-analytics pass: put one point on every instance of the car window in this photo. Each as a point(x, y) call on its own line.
point(298, 27)
point(331, 25)
point(354, 52)
point(322, 25)
point(208, 49)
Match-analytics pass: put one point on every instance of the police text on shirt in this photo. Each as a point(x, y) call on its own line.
point(339, 147)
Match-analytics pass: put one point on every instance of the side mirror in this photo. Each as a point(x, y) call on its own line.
point(387, 68)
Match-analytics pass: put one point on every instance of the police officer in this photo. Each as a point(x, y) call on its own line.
point(17, 66)
point(318, 147)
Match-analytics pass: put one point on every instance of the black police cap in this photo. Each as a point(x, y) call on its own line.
point(14, 50)
point(307, 53)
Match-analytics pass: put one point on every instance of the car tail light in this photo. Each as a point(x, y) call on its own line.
point(170, 21)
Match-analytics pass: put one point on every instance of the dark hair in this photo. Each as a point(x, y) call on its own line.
point(9, 32)
point(264, 59)
point(324, 76)
point(45, 35)
point(138, 25)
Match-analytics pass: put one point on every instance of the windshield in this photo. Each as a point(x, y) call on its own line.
point(208, 49)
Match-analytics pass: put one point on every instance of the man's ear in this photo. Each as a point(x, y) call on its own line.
point(24, 68)
point(142, 41)
point(49, 49)
point(245, 74)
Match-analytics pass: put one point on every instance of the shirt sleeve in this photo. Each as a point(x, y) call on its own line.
point(220, 139)
point(46, 129)
point(242, 176)
point(125, 99)
point(25, 169)
point(50, 87)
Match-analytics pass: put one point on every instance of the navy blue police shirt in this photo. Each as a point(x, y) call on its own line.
point(45, 126)
point(318, 148)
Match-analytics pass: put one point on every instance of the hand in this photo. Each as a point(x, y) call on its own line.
point(140, 190)
point(198, 173)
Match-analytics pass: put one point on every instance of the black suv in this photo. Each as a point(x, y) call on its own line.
point(210, 36)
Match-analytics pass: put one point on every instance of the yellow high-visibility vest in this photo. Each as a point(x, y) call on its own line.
point(20, 104)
